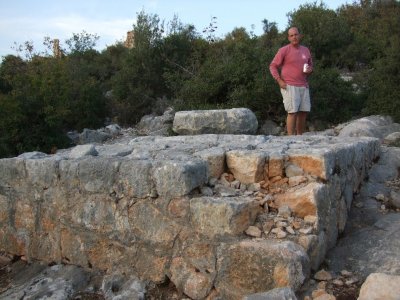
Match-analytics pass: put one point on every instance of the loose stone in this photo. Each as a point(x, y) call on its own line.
point(253, 231)
point(307, 230)
point(290, 230)
point(323, 275)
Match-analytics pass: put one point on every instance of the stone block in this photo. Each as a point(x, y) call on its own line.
point(302, 201)
point(178, 178)
point(247, 166)
point(12, 170)
point(276, 165)
point(215, 158)
point(151, 225)
point(214, 216)
point(135, 178)
point(221, 121)
point(193, 282)
point(255, 266)
point(42, 173)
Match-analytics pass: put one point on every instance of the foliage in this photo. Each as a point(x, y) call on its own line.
point(334, 100)
point(139, 81)
point(325, 32)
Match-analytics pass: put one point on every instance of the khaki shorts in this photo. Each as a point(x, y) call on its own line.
point(296, 98)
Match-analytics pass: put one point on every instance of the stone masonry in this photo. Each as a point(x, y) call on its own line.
point(219, 215)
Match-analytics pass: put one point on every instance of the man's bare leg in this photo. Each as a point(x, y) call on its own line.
point(301, 122)
point(291, 123)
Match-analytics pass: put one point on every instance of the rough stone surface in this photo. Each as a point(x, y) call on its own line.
point(380, 286)
point(263, 265)
point(374, 126)
point(274, 294)
point(229, 121)
point(142, 212)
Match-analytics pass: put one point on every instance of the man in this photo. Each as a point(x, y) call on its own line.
point(295, 65)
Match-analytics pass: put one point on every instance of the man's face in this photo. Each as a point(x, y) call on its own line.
point(294, 36)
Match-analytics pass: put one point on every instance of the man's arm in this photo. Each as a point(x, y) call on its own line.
point(274, 67)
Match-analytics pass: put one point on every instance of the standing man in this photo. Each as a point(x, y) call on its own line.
point(290, 67)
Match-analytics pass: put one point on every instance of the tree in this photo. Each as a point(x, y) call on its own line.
point(139, 82)
point(325, 32)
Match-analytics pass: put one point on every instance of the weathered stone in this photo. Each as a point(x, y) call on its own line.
point(214, 216)
point(284, 211)
point(293, 170)
point(374, 126)
point(380, 286)
point(56, 282)
point(284, 293)
point(276, 165)
point(114, 150)
point(117, 286)
point(93, 136)
point(215, 158)
point(176, 178)
point(323, 275)
point(135, 178)
point(150, 265)
point(148, 223)
point(249, 267)
point(394, 199)
point(229, 121)
point(193, 282)
point(83, 150)
point(301, 201)
point(253, 231)
point(156, 125)
point(247, 166)
point(392, 139)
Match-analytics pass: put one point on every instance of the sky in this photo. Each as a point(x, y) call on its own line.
point(29, 20)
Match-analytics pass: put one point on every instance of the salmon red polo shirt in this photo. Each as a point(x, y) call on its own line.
point(291, 60)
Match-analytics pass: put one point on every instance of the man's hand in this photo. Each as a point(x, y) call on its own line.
point(281, 83)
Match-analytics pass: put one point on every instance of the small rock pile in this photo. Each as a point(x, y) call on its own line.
point(275, 222)
point(392, 202)
point(328, 286)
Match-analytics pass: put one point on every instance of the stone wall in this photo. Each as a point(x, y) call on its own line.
point(226, 215)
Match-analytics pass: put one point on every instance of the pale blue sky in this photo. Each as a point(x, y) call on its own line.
point(29, 20)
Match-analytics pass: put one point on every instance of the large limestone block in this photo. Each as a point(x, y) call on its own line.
point(193, 282)
point(150, 225)
point(219, 216)
point(276, 165)
point(42, 172)
point(135, 178)
point(215, 158)
point(92, 174)
point(247, 166)
point(177, 178)
point(85, 249)
point(255, 266)
point(316, 165)
point(224, 121)
point(11, 171)
point(302, 201)
point(151, 263)
point(91, 213)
